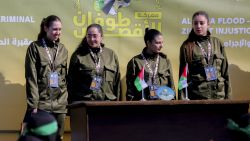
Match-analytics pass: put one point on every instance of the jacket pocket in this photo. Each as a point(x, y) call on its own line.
point(163, 76)
point(218, 60)
point(42, 86)
point(85, 70)
point(110, 71)
point(62, 75)
point(203, 87)
point(196, 69)
point(197, 77)
point(43, 69)
point(221, 85)
point(198, 60)
point(63, 68)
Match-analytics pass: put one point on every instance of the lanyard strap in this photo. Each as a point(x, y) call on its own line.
point(49, 55)
point(96, 59)
point(153, 73)
point(209, 51)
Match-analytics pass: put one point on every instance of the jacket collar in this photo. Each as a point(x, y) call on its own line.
point(193, 37)
point(50, 43)
point(147, 55)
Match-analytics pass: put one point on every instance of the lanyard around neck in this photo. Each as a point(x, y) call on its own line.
point(96, 59)
point(209, 51)
point(49, 55)
point(153, 73)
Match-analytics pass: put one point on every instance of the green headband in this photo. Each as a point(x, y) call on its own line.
point(46, 129)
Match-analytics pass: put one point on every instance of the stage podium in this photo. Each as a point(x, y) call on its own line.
point(195, 120)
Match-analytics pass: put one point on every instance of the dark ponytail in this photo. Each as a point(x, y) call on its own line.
point(150, 34)
point(46, 22)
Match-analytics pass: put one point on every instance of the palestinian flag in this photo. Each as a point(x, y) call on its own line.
point(183, 79)
point(140, 83)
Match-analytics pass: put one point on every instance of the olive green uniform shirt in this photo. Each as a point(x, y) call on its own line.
point(37, 69)
point(82, 70)
point(198, 85)
point(164, 74)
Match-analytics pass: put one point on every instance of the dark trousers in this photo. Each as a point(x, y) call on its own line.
point(60, 118)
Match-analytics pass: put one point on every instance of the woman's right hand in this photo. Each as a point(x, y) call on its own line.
point(34, 111)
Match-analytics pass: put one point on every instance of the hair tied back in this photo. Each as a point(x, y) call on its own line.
point(146, 30)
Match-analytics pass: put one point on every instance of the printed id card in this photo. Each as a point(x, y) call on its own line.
point(210, 73)
point(96, 83)
point(152, 92)
point(53, 80)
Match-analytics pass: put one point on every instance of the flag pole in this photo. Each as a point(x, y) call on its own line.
point(142, 91)
point(142, 95)
point(186, 91)
point(186, 94)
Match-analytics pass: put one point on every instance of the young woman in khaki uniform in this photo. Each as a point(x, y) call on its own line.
point(94, 72)
point(205, 56)
point(45, 72)
point(157, 66)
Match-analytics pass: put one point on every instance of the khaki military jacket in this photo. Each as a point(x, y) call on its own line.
point(82, 70)
point(198, 85)
point(37, 69)
point(164, 74)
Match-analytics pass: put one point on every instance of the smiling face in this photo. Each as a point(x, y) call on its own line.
point(200, 25)
point(94, 37)
point(155, 45)
point(53, 32)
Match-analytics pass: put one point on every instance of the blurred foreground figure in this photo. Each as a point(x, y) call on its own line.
point(41, 126)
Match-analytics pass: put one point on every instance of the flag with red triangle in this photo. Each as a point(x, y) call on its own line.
point(183, 79)
point(139, 82)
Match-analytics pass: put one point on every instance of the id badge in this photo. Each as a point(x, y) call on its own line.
point(53, 80)
point(152, 92)
point(96, 83)
point(210, 73)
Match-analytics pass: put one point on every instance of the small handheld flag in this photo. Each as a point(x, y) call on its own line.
point(183, 79)
point(139, 82)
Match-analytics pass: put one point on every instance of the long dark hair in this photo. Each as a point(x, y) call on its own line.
point(190, 41)
point(46, 22)
point(150, 34)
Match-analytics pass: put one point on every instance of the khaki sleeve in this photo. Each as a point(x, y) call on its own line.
point(31, 77)
point(117, 82)
point(171, 79)
point(225, 74)
point(72, 76)
point(182, 61)
point(131, 93)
